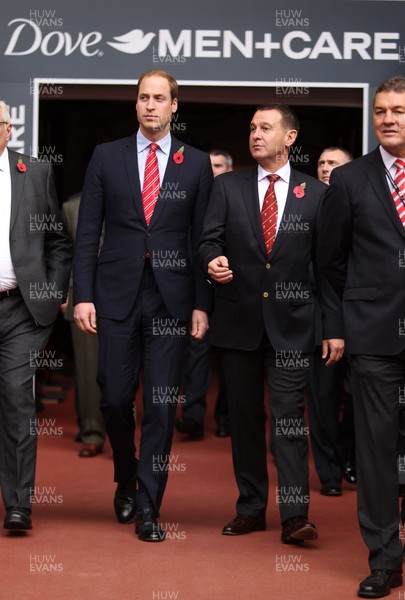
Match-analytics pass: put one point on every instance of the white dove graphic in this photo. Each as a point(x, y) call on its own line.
point(132, 42)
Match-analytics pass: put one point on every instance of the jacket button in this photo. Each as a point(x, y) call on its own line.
point(268, 265)
point(265, 294)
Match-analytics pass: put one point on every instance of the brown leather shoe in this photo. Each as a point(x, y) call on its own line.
point(90, 450)
point(243, 524)
point(297, 530)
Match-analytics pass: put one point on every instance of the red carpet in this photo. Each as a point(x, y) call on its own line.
point(77, 551)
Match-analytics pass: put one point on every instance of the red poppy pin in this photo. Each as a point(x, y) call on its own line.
point(21, 166)
point(299, 190)
point(178, 156)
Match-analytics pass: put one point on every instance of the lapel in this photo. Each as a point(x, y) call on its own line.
point(292, 207)
point(130, 157)
point(378, 180)
point(250, 196)
point(18, 180)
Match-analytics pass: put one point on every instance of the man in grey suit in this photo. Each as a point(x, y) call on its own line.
point(35, 260)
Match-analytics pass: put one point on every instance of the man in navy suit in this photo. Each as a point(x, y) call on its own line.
point(263, 319)
point(361, 258)
point(143, 289)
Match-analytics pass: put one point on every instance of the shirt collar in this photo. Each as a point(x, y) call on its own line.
point(4, 162)
point(284, 172)
point(388, 159)
point(142, 142)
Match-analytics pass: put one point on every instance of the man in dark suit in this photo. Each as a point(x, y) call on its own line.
point(151, 191)
point(332, 442)
point(362, 242)
point(85, 350)
point(263, 319)
point(35, 260)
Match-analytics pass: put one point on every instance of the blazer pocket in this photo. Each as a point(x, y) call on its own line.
point(369, 293)
point(227, 293)
point(108, 256)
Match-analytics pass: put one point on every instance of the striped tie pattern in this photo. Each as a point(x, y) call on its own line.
point(151, 183)
point(400, 183)
point(269, 214)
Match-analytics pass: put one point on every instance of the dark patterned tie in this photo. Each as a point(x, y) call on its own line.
point(269, 214)
point(151, 183)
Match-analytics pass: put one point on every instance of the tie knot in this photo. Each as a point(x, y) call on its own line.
point(399, 164)
point(273, 178)
point(154, 147)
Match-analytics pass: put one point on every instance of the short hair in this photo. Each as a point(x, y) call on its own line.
point(173, 85)
point(4, 112)
point(224, 153)
point(348, 154)
point(288, 117)
point(396, 83)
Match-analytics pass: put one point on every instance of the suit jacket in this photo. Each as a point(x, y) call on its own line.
point(360, 246)
point(70, 214)
point(112, 193)
point(272, 294)
point(40, 249)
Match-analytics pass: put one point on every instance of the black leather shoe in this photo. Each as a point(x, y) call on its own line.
point(147, 528)
point(222, 430)
point(243, 524)
point(194, 430)
point(297, 530)
point(349, 472)
point(125, 502)
point(17, 520)
point(331, 488)
point(379, 583)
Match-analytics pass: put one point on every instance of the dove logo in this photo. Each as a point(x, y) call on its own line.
point(52, 43)
point(133, 42)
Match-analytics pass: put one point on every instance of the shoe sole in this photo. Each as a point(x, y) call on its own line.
point(17, 526)
point(305, 534)
point(256, 528)
point(394, 584)
point(153, 540)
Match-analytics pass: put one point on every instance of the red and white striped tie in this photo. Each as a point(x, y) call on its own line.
point(400, 184)
point(151, 183)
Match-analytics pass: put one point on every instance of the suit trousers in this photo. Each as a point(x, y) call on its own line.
point(196, 382)
point(91, 422)
point(244, 373)
point(21, 344)
point(323, 414)
point(376, 384)
point(149, 336)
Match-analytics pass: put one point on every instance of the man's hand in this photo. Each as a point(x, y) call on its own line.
point(199, 324)
point(85, 317)
point(218, 270)
point(334, 348)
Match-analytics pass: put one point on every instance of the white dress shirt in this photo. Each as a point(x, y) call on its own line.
point(162, 153)
point(280, 188)
point(8, 279)
point(389, 160)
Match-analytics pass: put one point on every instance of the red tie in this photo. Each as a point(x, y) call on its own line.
point(151, 183)
point(400, 184)
point(269, 214)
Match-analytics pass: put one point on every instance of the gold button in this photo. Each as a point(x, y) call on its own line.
point(267, 265)
point(265, 294)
